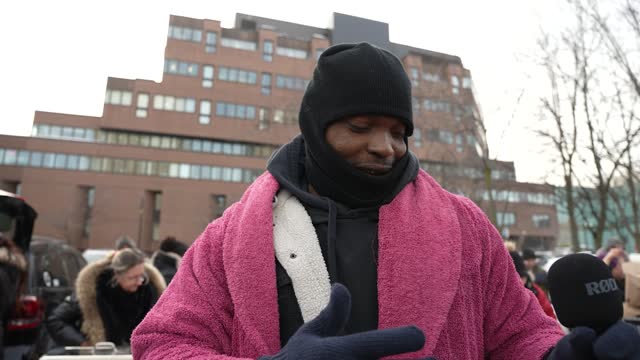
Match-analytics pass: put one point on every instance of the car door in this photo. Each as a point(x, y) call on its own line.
point(56, 271)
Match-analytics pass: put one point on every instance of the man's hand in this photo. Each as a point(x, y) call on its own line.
point(318, 338)
point(621, 341)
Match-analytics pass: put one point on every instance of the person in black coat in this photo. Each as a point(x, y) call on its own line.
point(536, 273)
point(111, 297)
point(13, 267)
point(167, 259)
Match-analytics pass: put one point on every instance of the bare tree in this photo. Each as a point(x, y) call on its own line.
point(564, 89)
point(592, 147)
point(626, 61)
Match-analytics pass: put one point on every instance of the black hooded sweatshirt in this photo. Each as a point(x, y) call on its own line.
point(348, 239)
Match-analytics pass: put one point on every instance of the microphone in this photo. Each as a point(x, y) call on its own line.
point(584, 293)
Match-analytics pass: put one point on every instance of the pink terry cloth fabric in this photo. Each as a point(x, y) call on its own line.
point(442, 267)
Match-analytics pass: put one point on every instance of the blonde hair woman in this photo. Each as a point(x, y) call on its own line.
point(111, 297)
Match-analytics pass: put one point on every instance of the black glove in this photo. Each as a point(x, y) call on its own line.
point(577, 345)
point(621, 341)
point(317, 340)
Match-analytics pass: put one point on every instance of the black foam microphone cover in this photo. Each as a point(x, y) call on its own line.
point(584, 293)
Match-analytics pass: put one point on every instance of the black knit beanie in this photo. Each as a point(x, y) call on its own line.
point(350, 80)
point(355, 79)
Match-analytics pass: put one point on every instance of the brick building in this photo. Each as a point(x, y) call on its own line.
point(166, 158)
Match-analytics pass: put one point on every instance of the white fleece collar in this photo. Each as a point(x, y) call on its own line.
point(298, 251)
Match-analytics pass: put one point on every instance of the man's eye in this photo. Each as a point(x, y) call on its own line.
point(358, 129)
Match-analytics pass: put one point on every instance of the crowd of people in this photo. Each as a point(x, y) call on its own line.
point(113, 295)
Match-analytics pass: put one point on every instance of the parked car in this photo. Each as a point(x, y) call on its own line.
point(52, 271)
point(92, 255)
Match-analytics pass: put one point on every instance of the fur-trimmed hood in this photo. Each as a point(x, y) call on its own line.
point(175, 257)
point(92, 324)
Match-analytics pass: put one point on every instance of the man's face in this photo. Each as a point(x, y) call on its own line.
point(371, 143)
point(530, 263)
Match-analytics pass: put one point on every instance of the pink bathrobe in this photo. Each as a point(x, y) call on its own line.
point(441, 266)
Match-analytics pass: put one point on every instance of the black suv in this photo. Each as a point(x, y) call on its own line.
point(53, 268)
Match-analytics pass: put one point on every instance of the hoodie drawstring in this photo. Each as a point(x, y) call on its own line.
point(331, 243)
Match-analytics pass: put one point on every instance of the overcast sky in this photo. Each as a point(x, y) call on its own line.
point(57, 55)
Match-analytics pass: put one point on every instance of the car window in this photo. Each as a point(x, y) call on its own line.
point(7, 224)
point(52, 269)
point(73, 263)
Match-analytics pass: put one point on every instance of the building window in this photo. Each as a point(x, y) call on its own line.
point(155, 215)
point(446, 137)
point(83, 163)
point(48, 160)
point(90, 198)
point(291, 82)
point(265, 84)
point(471, 140)
point(207, 76)
point(118, 97)
point(238, 44)
point(436, 105)
point(415, 76)
point(55, 131)
point(171, 103)
point(433, 77)
point(267, 50)
point(285, 117)
point(67, 132)
point(237, 111)
point(78, 133)
point(263, 118)
point(442, 136)
point(506, 218)
point(177, 67)
point(466, 82)
point(459, 143)
point(141, 105)
point(205, 112)
point(417, 137)
point(237, 75)
point(292, 53)
point(23, 158)
point(519, 197)
point(60, 161)
point(36, 159)
point(278, 116)
point(541, 221)
point(185, 33)
point(455, 84)
point(211, 42)
point(415, 104)
point(72, 162)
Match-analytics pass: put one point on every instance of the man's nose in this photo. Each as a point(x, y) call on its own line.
point(381, 144)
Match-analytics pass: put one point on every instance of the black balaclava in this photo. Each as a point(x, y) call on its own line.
point(349, 80)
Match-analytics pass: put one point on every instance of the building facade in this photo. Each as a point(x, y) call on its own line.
point(622, 220)
point(166, 158)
